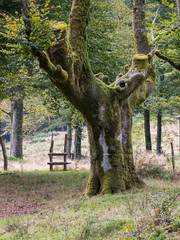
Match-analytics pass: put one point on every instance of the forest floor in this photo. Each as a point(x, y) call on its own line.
point(38, 204)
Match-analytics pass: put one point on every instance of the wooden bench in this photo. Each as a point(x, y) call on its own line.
point(52, 154)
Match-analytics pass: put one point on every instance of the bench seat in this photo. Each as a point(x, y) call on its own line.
point(53, 154)
point(58, 163)
point(57, 154)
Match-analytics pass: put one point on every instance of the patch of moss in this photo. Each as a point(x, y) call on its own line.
point(59, 26)
point(140, 57)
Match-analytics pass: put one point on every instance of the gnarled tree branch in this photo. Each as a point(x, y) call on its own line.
point(134, 77)
point(55, 72)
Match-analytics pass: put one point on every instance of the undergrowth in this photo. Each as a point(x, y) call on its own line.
point(16, 159)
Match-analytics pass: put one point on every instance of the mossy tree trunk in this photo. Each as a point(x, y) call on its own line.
point(107, 109)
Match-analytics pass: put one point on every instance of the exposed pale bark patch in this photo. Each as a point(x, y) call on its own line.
point(105, 163)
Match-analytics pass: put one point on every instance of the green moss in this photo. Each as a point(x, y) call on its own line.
point(140, 57)
point(102, 77)
point(113, 182)
point(107, 183)
point(93, 184)
point(59, 26)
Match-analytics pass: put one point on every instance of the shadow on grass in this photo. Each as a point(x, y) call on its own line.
point(26, 192)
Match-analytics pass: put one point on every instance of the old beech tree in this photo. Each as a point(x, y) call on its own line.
point(107, 109)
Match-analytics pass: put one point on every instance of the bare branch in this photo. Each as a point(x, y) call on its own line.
point(164, 33)
point(153, 51)
point(163, 57)
point(7, 113)
point(153, 22)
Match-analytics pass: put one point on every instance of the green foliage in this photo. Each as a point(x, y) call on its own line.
point(152, 171)
point(162, 21)
point(16, 159)
point(42, 33)
point(59, 106)
point(166, 95)
point(163, 25)
point(14, 224)
point(11, 6)
point(36, 114)
point(104, 46)
point(110, 40)
point(19, 75)
point(25, 34)
point(156, 171)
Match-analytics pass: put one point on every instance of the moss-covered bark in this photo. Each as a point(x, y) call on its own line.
point(107, 108)
point(139, 28)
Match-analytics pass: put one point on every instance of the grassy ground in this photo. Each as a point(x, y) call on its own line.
point(38, 204)
point(43, 205)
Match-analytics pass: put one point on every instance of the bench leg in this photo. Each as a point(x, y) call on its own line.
point(65, 166)
point(50, 166)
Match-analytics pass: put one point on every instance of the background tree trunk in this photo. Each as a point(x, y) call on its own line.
point(178, 9)
point(159, 117)
point(69, 139)
point(147, 130)
point(159, 132)
point(3, 151)
point(16, 141)
point(77, 141)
